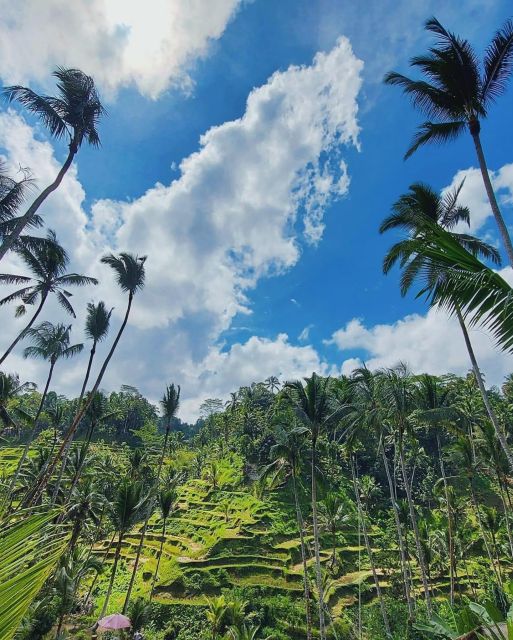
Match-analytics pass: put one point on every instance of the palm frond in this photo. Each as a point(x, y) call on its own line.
point(438, 133)
point(498, 63)
point(63, 301)
point(40, 105)
point(29, 550)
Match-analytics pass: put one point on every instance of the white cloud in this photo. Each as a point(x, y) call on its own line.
point(238, 211)
point(119, 42)
point(430, 343)
point(473, 194)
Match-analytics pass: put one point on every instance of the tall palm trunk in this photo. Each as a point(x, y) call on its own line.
point(136, 565)
point(503, 230)
point(68, 447)
point(155, 575)
point(306, 587)
point(22, 333)
point(479, 379)
point(112, 575)
point(104, 559)
point(362, 515)
point(317, 550)
point(416, 533)
point(78, 472)
point(450, 532)
point(164, 449)
point(31, 211)
point(44, 480)
point(31, 437)
point(404, 566)
point(481, 529)
point(505, 510)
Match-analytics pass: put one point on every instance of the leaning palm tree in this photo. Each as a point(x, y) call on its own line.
point(169, 403)
point(50, 343)
point(456, 95)
point(74, 113)
point(128, 503)
point(96, 329)
point(428, 220)
point(289, 451)
point(332, 516)
point(130, 275)
point(48, 262)
point(166, 500)
point(317, 410)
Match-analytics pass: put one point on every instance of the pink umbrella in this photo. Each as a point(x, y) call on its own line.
point(115, 621)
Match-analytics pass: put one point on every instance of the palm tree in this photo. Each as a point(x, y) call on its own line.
point(437, 407)
point(96, 329)
point(51, 343)
point(370, 414)
point(317, 410)
point(169, 403)
point(397, 390)
point(130, 275)
point(428, 219)
point(129, 501)
point(289, 450)
point(85, 504)
point(48, 263)
point(74, 113)
point(332, 515)
point(166, 499)
point(457, 94)
point(10, 388)
point(244, 632)
point(216, 613)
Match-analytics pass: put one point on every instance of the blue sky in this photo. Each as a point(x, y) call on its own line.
point(214, 325)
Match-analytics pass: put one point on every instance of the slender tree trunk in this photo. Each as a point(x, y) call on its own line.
point(418, 545)
point(78, 472)
point(65, 455)
point(503, 230)
point(404, 566)
point(505, 509)
point(362, 515)
point(22, 333)
point(450, 534)
point(317, 551)
point(164, 449)
point(32, 210)
point(59, 626)
point(481, 529)
point(159, 558)
point(479, 379)
point(31, 437)
point(112, 575)
point(136, 565)
point(105, 555)
point(44, 480)
point(306, 587)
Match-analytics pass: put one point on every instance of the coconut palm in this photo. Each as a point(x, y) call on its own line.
point(315, 407)
point(51, 343)
point(169, 403)
point(96, 329)
point(398, 396)
point(129, 502)
point(130, 276)
point(84, 507)
point(369, 414)
point(48, 263)
point(332, 516)
point(74, 113)
point(428, 220)
point(166, 500)
point(216, 614)
point(436, 408)
point(457, 93)
point(289, 450)
point(10, 388)
point(244, 632)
